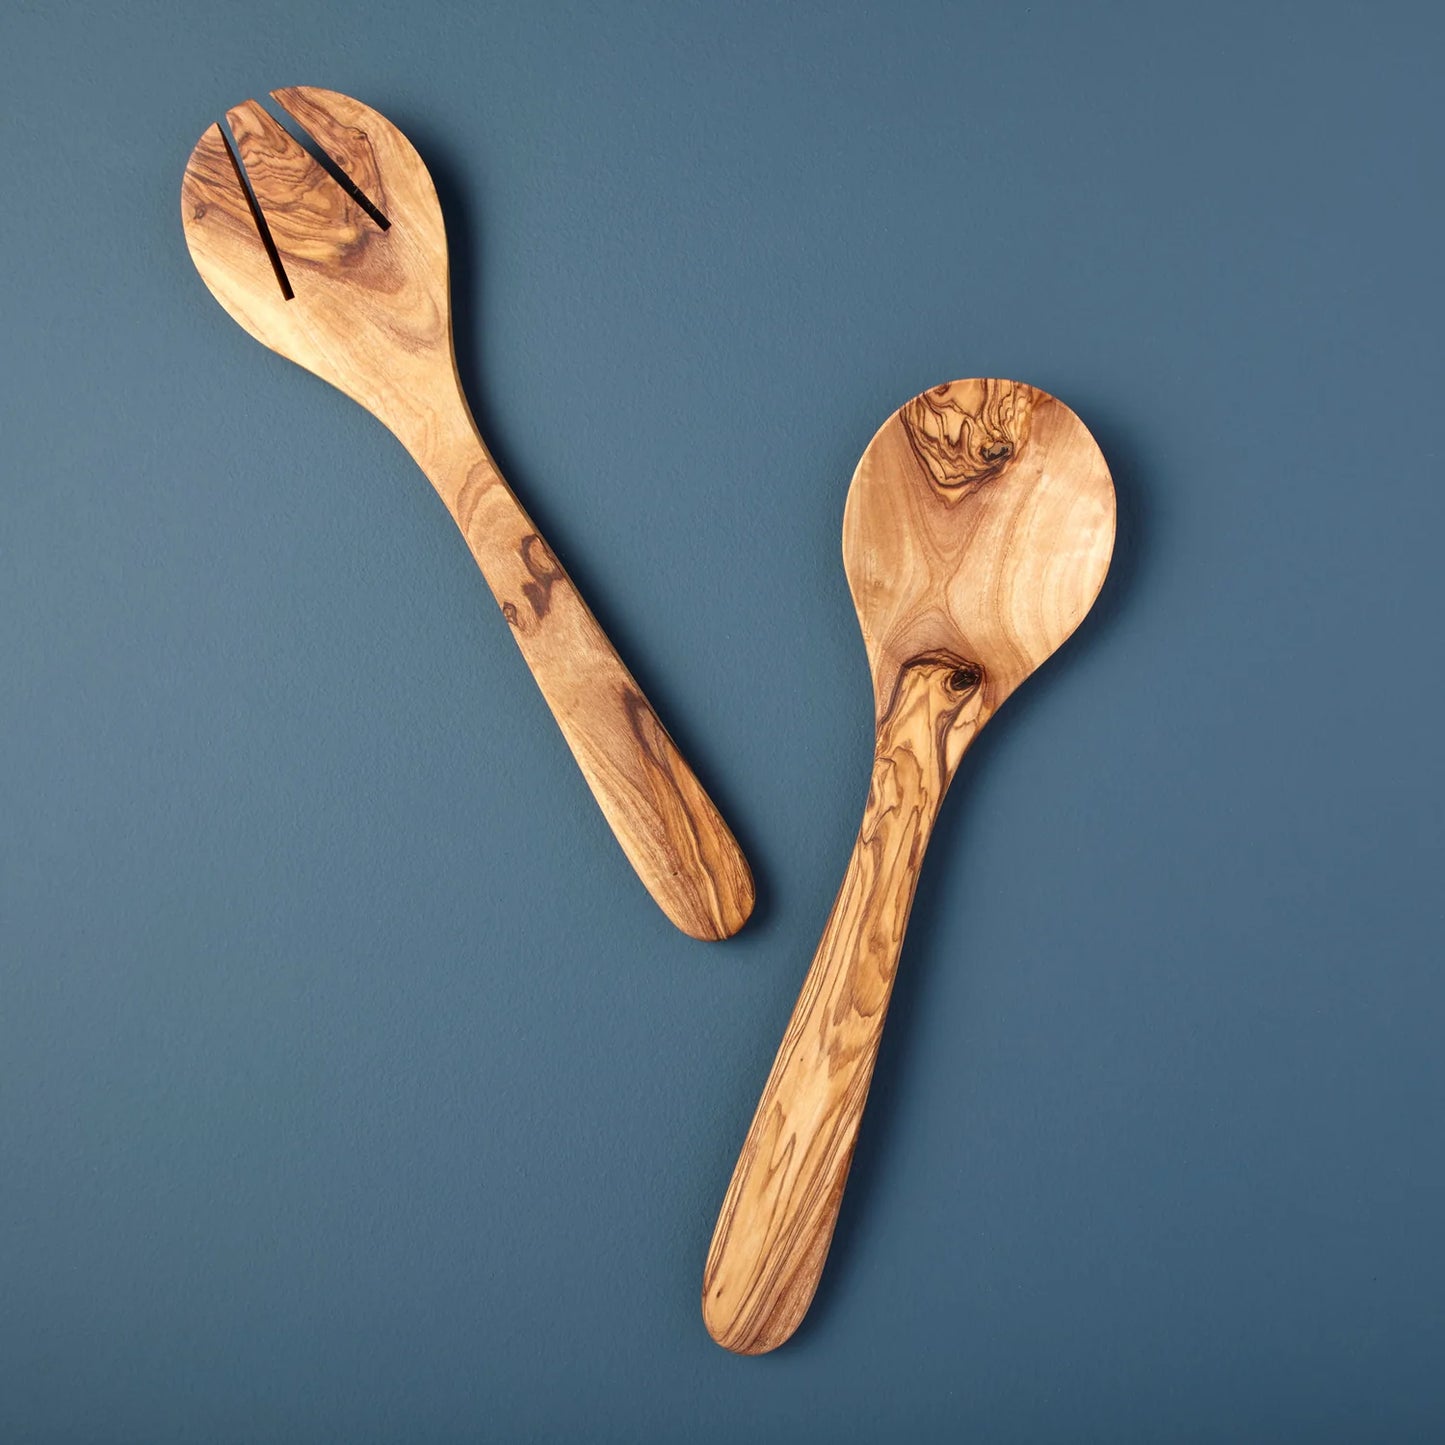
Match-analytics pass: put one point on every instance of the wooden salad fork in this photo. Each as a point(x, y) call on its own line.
point(977, 533)
point(343, 269)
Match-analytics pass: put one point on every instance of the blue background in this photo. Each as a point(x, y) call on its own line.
point(351, 1088)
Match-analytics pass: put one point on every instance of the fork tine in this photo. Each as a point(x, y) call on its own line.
point(381, 162)
point(222, 232)
point(309, 214)
point(334, 122)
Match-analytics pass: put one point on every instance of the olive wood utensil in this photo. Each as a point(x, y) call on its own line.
point(977, 533)
point(343, 269)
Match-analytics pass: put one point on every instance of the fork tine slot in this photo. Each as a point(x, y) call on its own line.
point(310, 216)
point(224, 231)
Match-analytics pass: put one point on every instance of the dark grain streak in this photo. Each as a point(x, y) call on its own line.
point(545, 571)
point(964, 442)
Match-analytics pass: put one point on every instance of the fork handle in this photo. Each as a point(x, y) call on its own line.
point(667, 825)
point(777, 1219)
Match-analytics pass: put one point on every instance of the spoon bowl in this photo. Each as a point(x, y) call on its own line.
point(980, 523)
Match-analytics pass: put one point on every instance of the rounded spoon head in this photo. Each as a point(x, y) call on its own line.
point(979, 527)
point(342, 268)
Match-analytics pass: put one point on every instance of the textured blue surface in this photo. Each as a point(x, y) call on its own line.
point(351, 1088)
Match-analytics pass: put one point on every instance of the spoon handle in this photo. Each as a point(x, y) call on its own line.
point(777, 1220)
point(667, 825)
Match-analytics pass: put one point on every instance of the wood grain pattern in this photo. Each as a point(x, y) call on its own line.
point(977, 534)
point(350, 281)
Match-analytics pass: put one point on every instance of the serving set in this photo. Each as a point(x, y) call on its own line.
point(976, 535)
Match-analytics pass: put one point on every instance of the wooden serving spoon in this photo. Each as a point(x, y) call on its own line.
point(344, 270)
point(977, 534)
